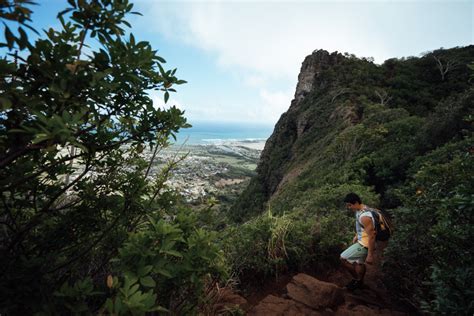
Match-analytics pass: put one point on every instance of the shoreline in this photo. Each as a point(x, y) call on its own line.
point(249, 144)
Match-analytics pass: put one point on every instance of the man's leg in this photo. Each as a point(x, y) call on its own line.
point(360, 271)
point(349, 267)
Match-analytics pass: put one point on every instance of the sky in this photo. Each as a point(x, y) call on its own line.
point(241, 59)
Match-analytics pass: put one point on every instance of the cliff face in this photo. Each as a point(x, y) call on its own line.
point(279, 148)
point(310, 74)
point(325, 128)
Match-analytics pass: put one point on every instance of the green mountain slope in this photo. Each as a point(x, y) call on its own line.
point(353, 121)
point(400, 135)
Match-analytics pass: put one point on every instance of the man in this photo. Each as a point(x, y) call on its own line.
point(362, 251)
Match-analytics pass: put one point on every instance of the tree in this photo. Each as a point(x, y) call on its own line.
point(64, 213)
point(383, 96)
point(444, 68)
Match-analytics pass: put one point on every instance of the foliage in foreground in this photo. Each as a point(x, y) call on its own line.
point(434, 239)
point(76, 190)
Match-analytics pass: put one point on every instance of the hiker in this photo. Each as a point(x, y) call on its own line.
point(362, 251)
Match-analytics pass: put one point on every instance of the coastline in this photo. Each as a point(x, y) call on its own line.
point(253, 144)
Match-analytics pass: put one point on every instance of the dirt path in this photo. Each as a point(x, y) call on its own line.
point(303, 294)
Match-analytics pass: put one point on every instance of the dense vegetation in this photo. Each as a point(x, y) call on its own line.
point(400, 135)
point(84, 229)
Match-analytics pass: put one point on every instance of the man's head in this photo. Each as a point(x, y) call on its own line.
point(353, 202)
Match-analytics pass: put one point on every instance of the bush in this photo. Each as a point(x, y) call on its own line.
point(270, 245)
point(173, 258)
point(431, 252)
point(74, 182)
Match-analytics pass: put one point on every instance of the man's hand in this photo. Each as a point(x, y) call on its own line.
point(354, 240)
point(369, 259)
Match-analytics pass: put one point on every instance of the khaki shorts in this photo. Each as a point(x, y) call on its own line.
point(355, 253)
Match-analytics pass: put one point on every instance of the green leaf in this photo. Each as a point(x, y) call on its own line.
point(172, 253)
point(6, 103)
point(164, 272)
point(9, 37)
point(167, 96)
point(118, 306)
point(23, 41)
point(160, 59)
point(145, 270)
point(160, 309)
point(61, 13)
point(109, 305)
point(133, 289)
point(40, 138)
point(148, 281)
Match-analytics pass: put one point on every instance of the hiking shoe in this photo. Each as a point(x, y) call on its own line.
point(353, 285)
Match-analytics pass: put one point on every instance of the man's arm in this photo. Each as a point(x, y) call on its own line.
point(370, 230)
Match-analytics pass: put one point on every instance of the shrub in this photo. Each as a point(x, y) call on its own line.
point(270, 245)
point(431, 252)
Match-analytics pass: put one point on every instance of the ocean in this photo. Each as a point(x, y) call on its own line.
point(209, 133)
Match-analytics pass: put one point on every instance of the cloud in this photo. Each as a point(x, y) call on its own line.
point(263, 43)
point(273, 37)
point(267, 108)
point(270, 38)
point(273, 104)
point(159, 101)
point(254, 80)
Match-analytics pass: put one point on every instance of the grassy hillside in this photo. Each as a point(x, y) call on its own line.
point(400, 135)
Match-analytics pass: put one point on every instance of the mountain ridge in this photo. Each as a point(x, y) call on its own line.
point(398, 134)
point(326, 95)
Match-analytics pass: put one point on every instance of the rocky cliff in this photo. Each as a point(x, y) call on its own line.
point(400, 135)
point(337, 98)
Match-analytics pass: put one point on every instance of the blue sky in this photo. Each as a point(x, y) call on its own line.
point(242, 58)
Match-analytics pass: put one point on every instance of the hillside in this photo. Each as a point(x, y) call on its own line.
point(400, 135)
point(98, 218)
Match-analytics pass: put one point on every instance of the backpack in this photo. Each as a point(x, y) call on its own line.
point(382, 224)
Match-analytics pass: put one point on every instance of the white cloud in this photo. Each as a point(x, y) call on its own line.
point(159, 101)
point(266, 109)
point(267, 38)
point(273, 104)
point(273, 37)
point(264, 42)
point(254, 80)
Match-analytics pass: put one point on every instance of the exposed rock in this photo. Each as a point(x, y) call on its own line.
point(276, 306)
point(301, 123)
point(280, 148)
point(314, 293)
point(307, 295)
point(362, 310)
point(310, 70)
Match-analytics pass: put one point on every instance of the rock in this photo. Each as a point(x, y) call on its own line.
point(312, 66)
point(362, 310)
point(276, 306)
point(356, 310)
point(314, 293)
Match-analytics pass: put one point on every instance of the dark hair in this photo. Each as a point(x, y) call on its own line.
point(352, 198)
